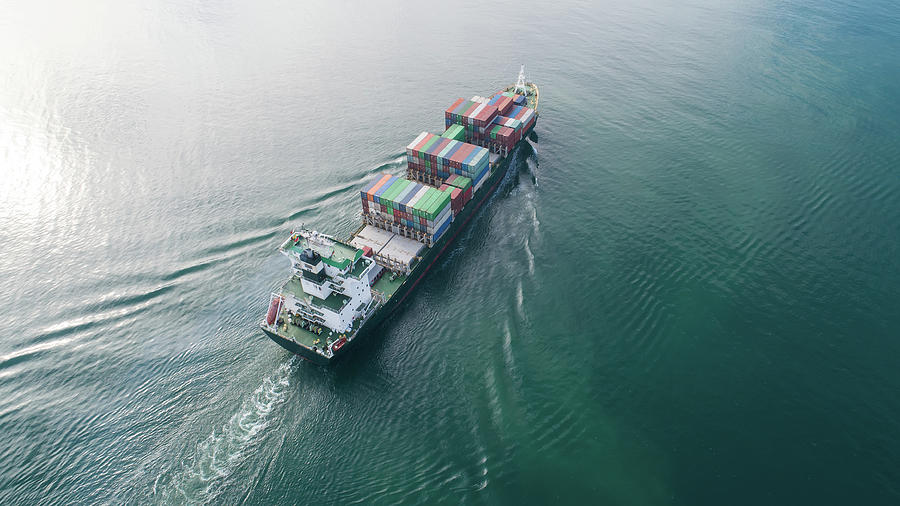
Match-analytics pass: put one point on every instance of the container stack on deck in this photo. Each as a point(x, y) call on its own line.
point(475, 117)
point(455, 132)
point(443, 172)
point(460, 189)
point(407, 208)
point(487, 123)
point(431, 159)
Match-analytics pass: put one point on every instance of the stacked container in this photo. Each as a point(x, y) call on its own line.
point(455, 132)
point(468, 114)
point(456, 198)
point(502, 101)
point(464, 184)
point(508, 122)
point(524, 114)
point(504, 138)
point(431, 159)
point(403, 206)
point(517, 99)
point(473, 116)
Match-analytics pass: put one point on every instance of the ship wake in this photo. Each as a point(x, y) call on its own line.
point(216, 457)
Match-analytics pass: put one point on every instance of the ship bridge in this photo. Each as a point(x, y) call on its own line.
point(331, 280)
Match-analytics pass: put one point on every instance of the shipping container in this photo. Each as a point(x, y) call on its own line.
point(373, 182)
point(439, 159)
point(417, 140)
point(377, 186)
point(504, 104)
point(384, 187)
point(459, 181)
point(455, 132)
point(456, 104)
point(404, 202)
point(402, 195)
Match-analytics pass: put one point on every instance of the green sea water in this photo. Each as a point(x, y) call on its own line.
point(685, 291)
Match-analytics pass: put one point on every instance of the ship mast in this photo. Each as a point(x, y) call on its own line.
point(520, 84)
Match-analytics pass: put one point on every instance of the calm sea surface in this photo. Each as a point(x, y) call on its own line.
point(687, 293)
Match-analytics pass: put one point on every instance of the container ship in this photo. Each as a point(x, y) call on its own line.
point(341, 290)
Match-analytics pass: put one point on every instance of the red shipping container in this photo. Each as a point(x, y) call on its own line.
point(421, 143)
point(456, 104)
point(469, 111)
point(487, 115)
point(456, 199)
point(461, 154)
point(504, 104)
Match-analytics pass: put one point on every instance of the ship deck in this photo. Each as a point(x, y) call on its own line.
point(532, 98)
point(387, 287)
point(339, 255)
point(304, 336)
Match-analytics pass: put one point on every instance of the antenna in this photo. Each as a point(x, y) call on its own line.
point(520, 84)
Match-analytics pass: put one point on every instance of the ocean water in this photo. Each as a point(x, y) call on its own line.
point(685, 292)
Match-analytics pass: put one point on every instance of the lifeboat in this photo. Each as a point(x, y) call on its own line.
point(272, 315)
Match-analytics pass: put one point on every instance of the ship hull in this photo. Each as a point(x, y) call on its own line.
point(418, 273)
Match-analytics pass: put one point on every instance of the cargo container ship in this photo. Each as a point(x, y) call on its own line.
point(341, 290)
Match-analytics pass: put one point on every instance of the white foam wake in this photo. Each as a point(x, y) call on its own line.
point(216, 457)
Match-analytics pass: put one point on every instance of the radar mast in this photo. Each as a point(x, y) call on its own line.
point(521, 84)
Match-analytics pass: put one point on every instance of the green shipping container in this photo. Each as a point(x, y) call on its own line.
point(443, 202)
point(386, 193)
point(417, 210)
point(429, 206)
point(428, 144)
point(461, 182)
point(407, 184)
point(455, 132)
point(435, 207)
point(429, 196)
point(395, 190)
point(387, 196)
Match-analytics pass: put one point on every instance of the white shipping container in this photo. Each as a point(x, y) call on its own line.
point(418, 196)
point(527, 116)
point(477, 110)
point(446, 150)
point(418, 139)
point(405, 192)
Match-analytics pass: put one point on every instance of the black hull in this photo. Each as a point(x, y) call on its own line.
point(434, 253)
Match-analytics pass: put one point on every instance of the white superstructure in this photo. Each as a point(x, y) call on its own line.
point(334, 281)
